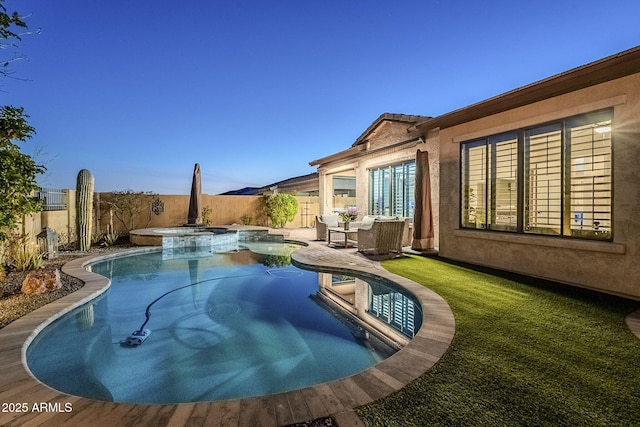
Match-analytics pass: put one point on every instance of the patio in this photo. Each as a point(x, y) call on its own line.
point(337, 399)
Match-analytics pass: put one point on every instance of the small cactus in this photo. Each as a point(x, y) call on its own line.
point(84, 209)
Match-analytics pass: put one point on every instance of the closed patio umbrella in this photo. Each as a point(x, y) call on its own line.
point(423, 235)
point(194, 201)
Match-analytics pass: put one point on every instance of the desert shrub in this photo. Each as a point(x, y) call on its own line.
point(129, 207)
point(3, 277)
point(110, 239)
point(206, 215)
point(96, 237)
point(26, 257)
point(281, 208)
point(66, 239)
point(20, 253)
point(246, 219)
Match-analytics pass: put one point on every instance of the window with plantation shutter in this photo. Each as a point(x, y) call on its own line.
point(552, 179)
point(543, 190)
point(490, 193)
point(474, 177)
point(409, 189)
point(589, 177)
point(398, 187)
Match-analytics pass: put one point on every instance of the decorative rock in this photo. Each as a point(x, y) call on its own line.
point(39, 282)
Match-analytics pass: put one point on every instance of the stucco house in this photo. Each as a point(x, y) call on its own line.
point(382, 162)
point(542, 180)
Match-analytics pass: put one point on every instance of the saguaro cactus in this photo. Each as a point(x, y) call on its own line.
point(84, 209)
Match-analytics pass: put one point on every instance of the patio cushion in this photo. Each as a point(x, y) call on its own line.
point(329, 220)
point(367, 221)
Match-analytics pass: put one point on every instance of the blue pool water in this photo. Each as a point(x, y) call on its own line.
point(222, 326)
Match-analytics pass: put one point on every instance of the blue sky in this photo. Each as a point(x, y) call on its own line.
point(139, 91)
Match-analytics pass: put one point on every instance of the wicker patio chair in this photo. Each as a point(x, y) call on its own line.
point(407, 234)
point(381, 237)
point(323, 222)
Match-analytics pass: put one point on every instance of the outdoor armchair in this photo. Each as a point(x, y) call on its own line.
point(407, 234)
point(323, 222)
point(381, 236)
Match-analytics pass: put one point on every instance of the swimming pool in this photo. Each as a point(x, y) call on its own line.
point(222, 326)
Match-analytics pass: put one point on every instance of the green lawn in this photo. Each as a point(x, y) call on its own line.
point(526, 352)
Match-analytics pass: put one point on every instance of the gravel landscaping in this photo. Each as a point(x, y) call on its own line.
point(14, 304)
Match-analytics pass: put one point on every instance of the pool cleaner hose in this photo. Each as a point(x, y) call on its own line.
point(139, 336)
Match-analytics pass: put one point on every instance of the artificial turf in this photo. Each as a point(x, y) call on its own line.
point(526, 353)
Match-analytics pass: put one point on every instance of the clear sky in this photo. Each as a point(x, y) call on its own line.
point(139, 91)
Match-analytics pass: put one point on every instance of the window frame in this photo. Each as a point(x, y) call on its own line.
point(566, 194)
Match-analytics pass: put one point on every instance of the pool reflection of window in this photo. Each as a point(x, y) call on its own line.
point(342, 278)
point(394, 308)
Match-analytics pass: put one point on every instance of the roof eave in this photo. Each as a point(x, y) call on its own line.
point(610, 68)
point(341, 155)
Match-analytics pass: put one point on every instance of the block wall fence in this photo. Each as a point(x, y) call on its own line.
point(225, 210)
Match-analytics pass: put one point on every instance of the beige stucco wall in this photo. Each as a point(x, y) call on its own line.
point(57, 220)
point(225, 210)
point(609, 266)
point(30, 226)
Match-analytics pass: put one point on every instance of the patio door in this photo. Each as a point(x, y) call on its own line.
point(392, 190)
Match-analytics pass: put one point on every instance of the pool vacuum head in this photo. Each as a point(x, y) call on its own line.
point(137, 337)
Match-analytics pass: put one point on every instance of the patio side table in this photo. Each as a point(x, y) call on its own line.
point(346, 233)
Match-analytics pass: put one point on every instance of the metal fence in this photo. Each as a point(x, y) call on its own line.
point(52, 199)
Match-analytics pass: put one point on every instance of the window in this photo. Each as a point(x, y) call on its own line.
point(489, 182)
point(391, 190)
point(543, 168)
point(589, 175)
point(552, 179)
